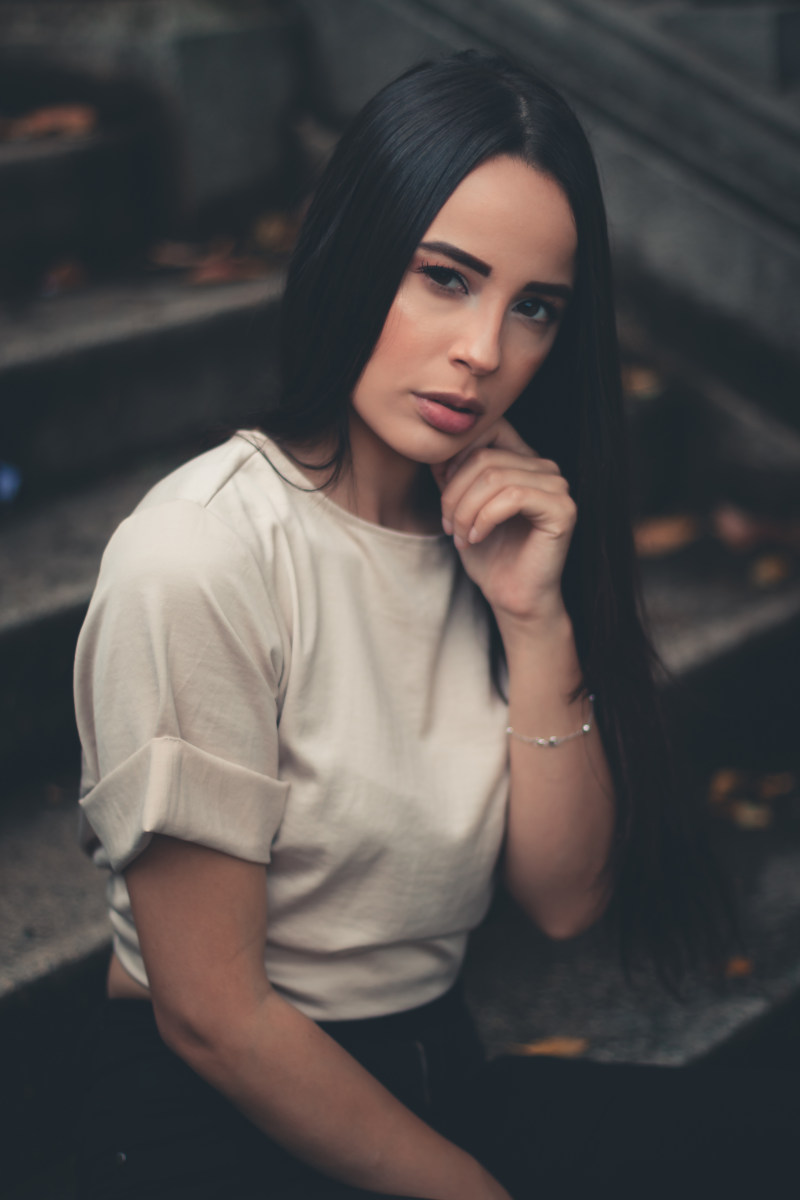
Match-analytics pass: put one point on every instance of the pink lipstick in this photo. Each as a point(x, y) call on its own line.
point(448, 412)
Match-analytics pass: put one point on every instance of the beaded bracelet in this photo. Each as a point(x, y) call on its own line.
point(552, 741)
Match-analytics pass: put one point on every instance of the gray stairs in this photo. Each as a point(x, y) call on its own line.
point(104, 389)
point(96, 378)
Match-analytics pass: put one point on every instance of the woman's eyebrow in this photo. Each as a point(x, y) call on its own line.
point(459, 256)
point(477, 264)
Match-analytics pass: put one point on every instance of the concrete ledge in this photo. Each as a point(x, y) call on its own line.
point(71, 199)
point(523, 988)
point(52, 903)
point(702, 608)
point(224, 75)
point(48, 561)
point(620, 66)
point(93, 380)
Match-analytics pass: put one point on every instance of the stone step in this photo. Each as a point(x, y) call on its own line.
point(219, 83)
point(757, 42)
point(53, 948)
point(525, 989)
point(614, 58)
point(88, 200)
point(97, 378)
point(726, 443)
point(49, 558)
point(52, 904)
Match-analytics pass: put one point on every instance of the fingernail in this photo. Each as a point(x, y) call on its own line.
point(447, 526)
point(459, 542)
point(472, 536)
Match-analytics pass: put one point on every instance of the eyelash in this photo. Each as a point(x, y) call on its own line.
point(435, 271)
point(440, 275)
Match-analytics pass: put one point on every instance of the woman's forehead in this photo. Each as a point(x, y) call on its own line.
point(510, 215)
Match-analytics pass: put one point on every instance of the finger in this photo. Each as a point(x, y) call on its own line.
point(491, 483)
point(490, 465)
point(553, 514)
point(501, 435)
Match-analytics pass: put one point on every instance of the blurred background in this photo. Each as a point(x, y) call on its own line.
point(155, 158)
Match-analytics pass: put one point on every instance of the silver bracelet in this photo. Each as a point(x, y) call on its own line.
point(552, 741)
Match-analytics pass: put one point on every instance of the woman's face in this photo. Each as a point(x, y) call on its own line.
point(475, 316)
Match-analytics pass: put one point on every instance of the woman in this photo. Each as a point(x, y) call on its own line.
point(374, 651)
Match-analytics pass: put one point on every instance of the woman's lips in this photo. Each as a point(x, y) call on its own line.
point(442, 415)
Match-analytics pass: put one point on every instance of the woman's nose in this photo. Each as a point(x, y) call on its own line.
point(477, 344)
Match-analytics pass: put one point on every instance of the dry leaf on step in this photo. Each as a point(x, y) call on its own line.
point(641, 383)
point(660, 535)
point(726, 783)
point(555, 1047)
point(774, 787)
point(60, 120)
point(738, 967)
point(749, 815)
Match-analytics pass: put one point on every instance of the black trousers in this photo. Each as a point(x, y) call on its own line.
point(151, 1129)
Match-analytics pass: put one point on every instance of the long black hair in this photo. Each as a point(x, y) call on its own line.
point(392, 171)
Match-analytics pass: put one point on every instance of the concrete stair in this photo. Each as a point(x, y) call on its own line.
point(45, 187)
point(92, 380)
point(104, 390)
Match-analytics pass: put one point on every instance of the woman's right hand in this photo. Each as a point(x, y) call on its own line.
point(201, 916)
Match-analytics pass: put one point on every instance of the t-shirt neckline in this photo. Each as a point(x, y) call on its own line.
point(288, 468)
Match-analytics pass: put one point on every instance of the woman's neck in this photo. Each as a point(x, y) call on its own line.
point(378, 485)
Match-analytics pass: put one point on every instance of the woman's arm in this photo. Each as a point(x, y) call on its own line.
point(561, 808)
point(201, 918)
point(512, 518)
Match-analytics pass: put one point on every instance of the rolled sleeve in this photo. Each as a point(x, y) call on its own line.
point(171, 787)
point(177, 681)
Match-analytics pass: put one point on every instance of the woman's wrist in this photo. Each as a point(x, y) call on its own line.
point(548, 626)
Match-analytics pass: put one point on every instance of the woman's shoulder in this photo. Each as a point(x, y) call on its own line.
point(235, 465)
point(207, 519)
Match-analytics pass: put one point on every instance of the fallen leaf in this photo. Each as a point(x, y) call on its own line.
point(749, 815)
point(660, 535)
point(735, 528)
point(228, 270)
point(738, 967)
point(555, 1047)
point(772, 787)
point(743, 531)
point(62, 120)
point(770, 569)
point(641, 383)
point(65, 276)
point(726, 783)
point(276, 232)
point(174, 254)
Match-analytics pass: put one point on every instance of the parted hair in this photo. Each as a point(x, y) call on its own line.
point(393, 169)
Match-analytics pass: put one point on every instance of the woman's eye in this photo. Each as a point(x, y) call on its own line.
point(444, 277)
point(538, 310)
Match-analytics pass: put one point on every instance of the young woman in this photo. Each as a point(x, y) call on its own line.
point(341, 672)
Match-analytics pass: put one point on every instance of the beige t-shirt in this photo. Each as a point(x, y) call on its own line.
point(266, 674)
